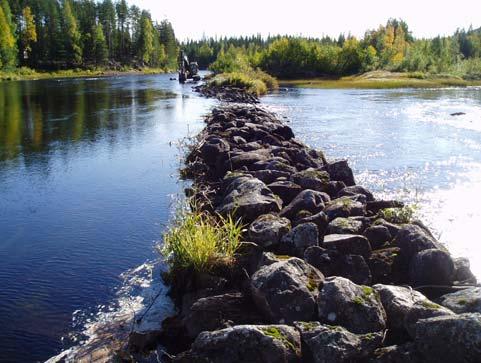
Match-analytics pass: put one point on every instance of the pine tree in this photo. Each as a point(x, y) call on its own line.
point(146, 39)
point(100, 45)
point(72, 35)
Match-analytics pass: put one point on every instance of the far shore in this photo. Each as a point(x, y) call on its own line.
point(22, 74)
point(383, 80)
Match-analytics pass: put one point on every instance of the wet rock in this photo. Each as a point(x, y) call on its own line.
point(308, 200)
point(463, 301)
point(341, 171)
point(302, 236)
point(377, 235)
point(431, 267)
point(355, 307)
point(405, 353)
point(376, 206)
point(218, 312)
point(248, 198)
point(386, 266)
point(345, 226)
point(412, 239)
point(356, 189)
point(453, 338)
point(344, 207)
point(245, 344)
point(268, 229)
point(347, 244)
point(286, 290)
point(286, 190)
point(327, 344)
point(312, 179)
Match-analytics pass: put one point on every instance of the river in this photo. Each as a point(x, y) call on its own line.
point(88, 176)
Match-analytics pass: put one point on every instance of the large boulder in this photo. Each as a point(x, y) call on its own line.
point(412, 239)
point(214, 150)
point(423, 310)
point(302, 236)
point(357, 308)
point(246, 344)
point(285, 189)
point(332, 263)
point(308, 200)
point(327, 344)
point(218, 312)
point(345, 207)
point(238, 160)
point(320, 219)
point(247, 197)
point(312, 179)
point(345, 226)
point(356, 189)
point(463, 271)
point(463, 301)
point(377, 235)
point(431, 267)
point(340, 170)
point(268, 229)
point(386, 266)
point(286, 290)
point(452, 338)
point(405, 306)
point(347, 244)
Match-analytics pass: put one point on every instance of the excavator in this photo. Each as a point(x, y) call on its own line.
point(187, 70)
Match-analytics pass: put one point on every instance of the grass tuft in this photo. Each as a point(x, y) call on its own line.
point(253, 81)
point(200, 241)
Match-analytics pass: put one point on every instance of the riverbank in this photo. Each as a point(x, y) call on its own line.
point(383, 80)
point(322, 262)
point(23, 73)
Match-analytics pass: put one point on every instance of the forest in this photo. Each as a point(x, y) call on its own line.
point(52, 34)
point(390, 47)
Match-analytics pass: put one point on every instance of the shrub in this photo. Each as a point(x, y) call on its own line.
point(200, 241)
point(398, 215)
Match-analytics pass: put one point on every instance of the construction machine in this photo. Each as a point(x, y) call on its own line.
point(187, 70)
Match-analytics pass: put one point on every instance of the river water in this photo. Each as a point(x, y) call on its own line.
point(88, 175)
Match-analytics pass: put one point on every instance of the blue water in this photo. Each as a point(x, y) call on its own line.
point(87, 174)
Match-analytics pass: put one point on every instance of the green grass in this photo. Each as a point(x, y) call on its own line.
point(253, 81)
point(386, 80)
point(25, 73)
point(200, 241)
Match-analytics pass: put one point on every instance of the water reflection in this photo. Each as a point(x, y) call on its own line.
point(33, 119)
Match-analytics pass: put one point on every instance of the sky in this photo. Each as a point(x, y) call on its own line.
point(426, 18)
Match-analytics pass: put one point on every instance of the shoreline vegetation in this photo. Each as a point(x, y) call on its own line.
point(25, 74)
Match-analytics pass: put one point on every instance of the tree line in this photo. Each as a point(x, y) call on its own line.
point(389, 47)
point(53, 34)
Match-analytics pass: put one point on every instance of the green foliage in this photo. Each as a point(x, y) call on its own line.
point(100, 45)
point(200, 241)
point(398, 215)
point(253, 81)
point(8, 48)
point(72, 35)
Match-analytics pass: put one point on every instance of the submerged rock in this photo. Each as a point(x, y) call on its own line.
point(355, 307)
point(246, 344)
point(327, 343)
point(286, 291)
